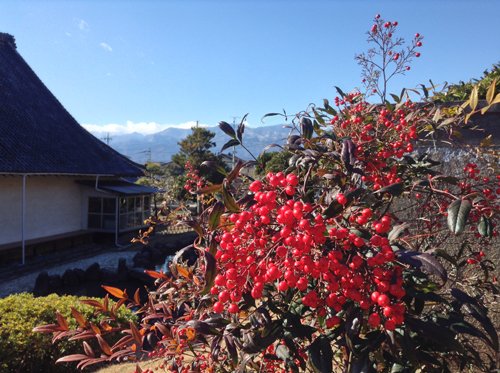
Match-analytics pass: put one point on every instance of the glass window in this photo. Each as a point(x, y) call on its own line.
point(102, 213)
point(94, 221)
point(95, 205)
point(134, 210)
point(109, 205)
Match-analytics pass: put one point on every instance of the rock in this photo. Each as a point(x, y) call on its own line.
point(108, 276)
point(41, 285)
point(122, 269)
point(138, 274)
point(70, 278)
point(80, 274)
point(142, 260)
point(92, 273)
point(55, 283)
point(156, 256)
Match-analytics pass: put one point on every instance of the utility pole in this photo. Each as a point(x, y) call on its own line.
point(107, 138)
point(234, 147)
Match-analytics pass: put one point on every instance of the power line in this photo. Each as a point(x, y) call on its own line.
point(107, 138)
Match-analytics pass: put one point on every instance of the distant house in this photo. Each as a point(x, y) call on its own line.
point(57, 181)
point(230, 162)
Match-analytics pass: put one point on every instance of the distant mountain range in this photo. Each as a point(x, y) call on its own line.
point(164, 144)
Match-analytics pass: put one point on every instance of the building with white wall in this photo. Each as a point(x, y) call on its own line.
point(57, 181)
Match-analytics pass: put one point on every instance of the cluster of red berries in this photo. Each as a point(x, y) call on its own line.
point(377, 141)
point(194, 181)
point(282, 241)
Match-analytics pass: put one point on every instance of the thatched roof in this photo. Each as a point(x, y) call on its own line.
point(38, 135)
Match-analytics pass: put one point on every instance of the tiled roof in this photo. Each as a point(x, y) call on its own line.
point(38, 135)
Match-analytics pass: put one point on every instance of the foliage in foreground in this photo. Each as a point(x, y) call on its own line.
point(22, 350)
point(359, 257)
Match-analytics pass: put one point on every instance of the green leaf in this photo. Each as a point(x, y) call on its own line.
point(445, 179)
point(395, 189)
point(443, 336)
point(397, 231)
point(458, 211)
point(227, 129)
point(231, 348)
point(215, 214)
point(321, 355)
point(215, 166)
point(193, 224)
point(395, 98)
point(335, 208)
point(201, 327)
point(228, 199)
point(210, 189)
point(474, 97)
point(348, 154)
point(479, 313)
point(229, 144)
point(341, 93)
point(485, 227)
point(306, 127)
point(241, 129)
point(236, 171)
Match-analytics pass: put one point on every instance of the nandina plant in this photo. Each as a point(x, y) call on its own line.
point(360, 257)
point(387, 58)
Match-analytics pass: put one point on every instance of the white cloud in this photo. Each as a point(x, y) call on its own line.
point(130, 127)
point(106, 46)
point(84, 26)
point(67, 33)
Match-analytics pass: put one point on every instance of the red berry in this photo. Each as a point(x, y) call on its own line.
point(341, 199)
point(218, 307)
point(374, 320)
point(419, 44)
point(417, 54)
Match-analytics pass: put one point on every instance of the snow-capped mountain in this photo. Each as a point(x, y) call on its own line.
point(164, 144)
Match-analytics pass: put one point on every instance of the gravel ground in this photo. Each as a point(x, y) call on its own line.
point(26, 283)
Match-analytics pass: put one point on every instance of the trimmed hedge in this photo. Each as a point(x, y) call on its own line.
point(21, 350)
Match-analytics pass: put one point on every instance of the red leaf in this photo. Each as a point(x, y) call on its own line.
point(92, 303)
point(62, 321)
point(155, 274)
point(135, 333)
point(137, 299)
point(88, 350)
point(84, 335)
point(60, 335)
point(49, 328)
point(79, 317)
point(114, 291)
point(104, 345)
point(69, 358)
point(122, 342)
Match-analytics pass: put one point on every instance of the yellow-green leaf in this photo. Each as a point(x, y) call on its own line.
point(474, 98)
point(229, 200)
point(486, 142)
point(491, 92)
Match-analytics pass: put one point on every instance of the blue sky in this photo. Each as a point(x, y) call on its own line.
point(144, 65)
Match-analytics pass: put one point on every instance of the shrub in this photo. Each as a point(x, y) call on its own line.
point(316, 268)
point(22, 350)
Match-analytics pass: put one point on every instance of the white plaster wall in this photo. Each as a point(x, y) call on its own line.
point(53, 206)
